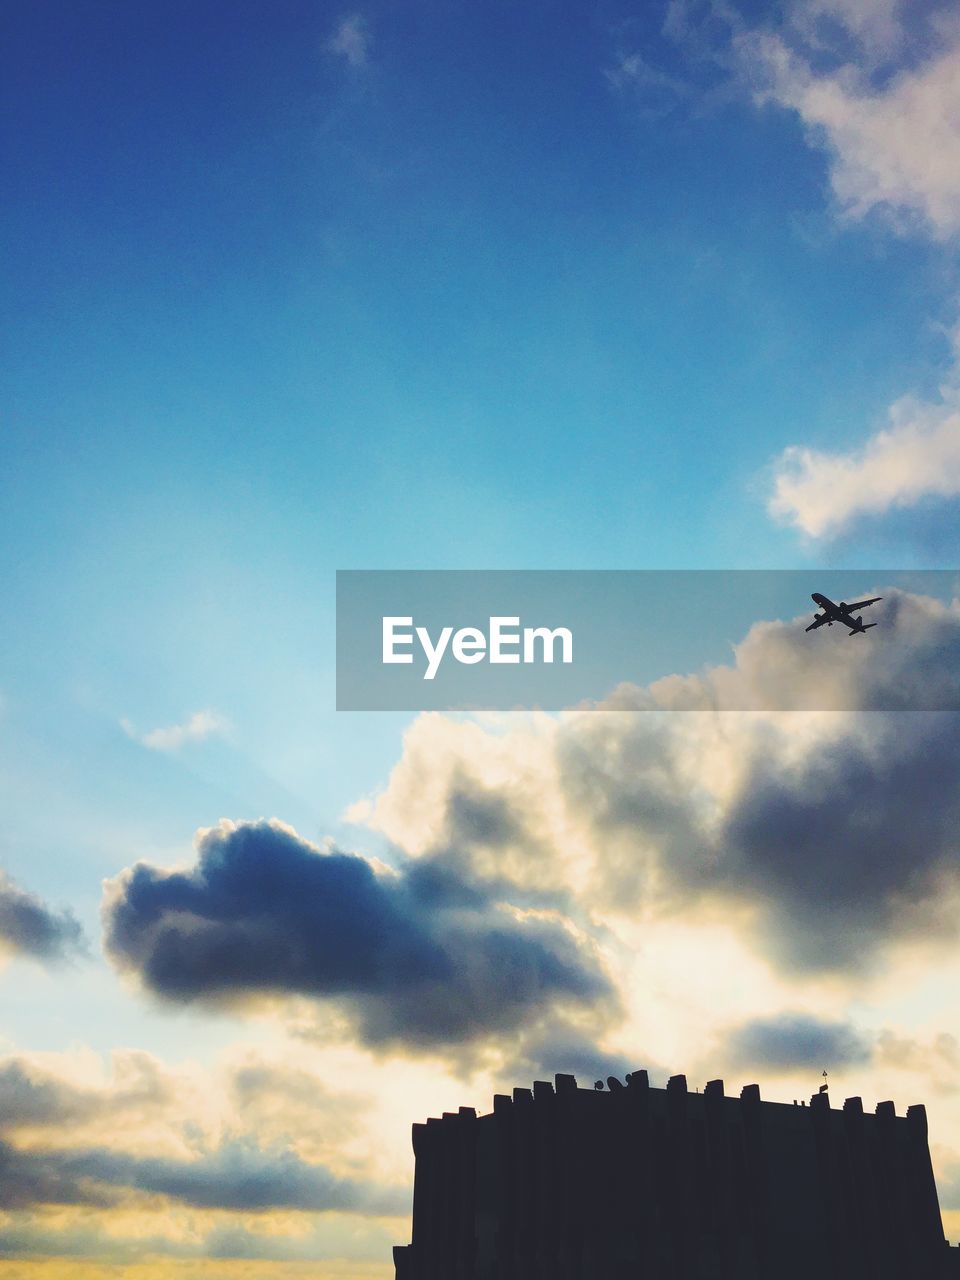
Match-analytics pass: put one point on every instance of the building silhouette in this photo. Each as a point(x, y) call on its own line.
point(566, 1183)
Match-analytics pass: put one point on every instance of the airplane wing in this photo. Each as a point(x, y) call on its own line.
point(817, 622)
point(862, 604)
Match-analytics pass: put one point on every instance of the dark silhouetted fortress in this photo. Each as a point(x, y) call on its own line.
point(561, 1183)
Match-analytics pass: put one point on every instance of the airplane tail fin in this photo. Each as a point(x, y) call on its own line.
point(864, 626)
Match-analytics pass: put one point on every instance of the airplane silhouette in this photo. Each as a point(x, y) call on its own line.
point(841, 613)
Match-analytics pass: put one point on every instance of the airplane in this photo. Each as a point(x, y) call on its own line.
point(841, 613)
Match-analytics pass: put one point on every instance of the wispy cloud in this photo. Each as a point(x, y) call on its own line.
point(656, 91)
point(197, 727)
point(351, 40)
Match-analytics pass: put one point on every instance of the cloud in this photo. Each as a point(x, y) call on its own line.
point(33, 1096)
point(938, 1060)
point(877, 87)
point(282, 1103)
point(336, 1241)
point(873, 26)
point(875, 84)
point(238, 1176)
point(796, 1040)
point(565, 1048)
point(197, 727)
point(656, 92)
point(190, 1157)
point(823, 838)
point(916, 458)
point(891, 145)
point(29, 927)
point(413, 958)
point(351, 40)
point(219, 1141)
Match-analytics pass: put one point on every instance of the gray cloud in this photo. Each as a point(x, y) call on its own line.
point(791, 1040)
point(265, 913)
point(28, 926)
point(238, 1176)
point(564, 1048)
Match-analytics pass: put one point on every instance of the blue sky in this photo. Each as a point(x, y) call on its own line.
point(302, 287)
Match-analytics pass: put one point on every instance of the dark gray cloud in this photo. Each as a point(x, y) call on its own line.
point(409, 959)
point(796, 1040)
point(854, 844)
point(238, 1176)
point(30, 927)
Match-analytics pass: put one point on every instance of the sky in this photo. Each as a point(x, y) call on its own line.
point(298, 287)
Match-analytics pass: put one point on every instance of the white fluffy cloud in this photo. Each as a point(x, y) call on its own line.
point(915, 458)
point(892, 140)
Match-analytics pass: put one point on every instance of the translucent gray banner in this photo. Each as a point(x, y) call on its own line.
point(679, 640)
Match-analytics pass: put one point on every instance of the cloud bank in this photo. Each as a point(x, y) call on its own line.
point(826, 837)
point(238, 1177)
point(252, 1157)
